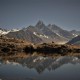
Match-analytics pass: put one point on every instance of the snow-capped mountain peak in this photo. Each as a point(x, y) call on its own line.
point(4, 31)
point(14, 30)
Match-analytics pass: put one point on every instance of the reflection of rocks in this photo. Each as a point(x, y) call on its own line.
point(41, 63)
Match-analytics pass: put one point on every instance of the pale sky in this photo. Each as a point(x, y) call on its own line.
point(22, 13)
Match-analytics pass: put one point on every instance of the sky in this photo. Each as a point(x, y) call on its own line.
point(22, 13)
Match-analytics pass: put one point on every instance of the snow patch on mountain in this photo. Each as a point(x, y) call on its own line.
point(34, 33)
point(40, 35)
point(75, 35)
point(4, 32)
point(14, 30)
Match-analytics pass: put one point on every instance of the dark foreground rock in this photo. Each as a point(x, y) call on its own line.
point(52, 48)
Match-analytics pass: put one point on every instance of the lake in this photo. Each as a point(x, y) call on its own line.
point(40, 67)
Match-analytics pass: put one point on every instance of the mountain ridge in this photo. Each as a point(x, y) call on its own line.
point(42, 33)
point(75, 41)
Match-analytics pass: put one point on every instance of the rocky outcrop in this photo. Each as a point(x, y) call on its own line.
point(12, 44)
point(53, 48)
point(8, 45)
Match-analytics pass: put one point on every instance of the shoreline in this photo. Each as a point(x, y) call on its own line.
point(11, 45)
point(40, 48)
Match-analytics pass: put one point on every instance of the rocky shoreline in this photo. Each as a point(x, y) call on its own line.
point(52, 48)
point(10, 45)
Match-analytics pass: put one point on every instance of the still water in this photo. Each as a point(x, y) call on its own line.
point(40, 68)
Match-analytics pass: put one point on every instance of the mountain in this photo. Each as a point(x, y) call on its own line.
point(75, 33)
point(75, 41)
point(48, 33)
point(60, 32)
point(14, 30)
point(3, 31)
point(42, 33)
point(24, 34)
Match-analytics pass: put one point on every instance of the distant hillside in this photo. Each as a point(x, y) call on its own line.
point(75, 33)
point(5, 31)
point(75, 41)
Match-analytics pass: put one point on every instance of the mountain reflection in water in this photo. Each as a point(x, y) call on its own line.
point(40, 68)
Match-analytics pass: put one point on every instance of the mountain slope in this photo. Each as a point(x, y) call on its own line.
point(42, 33)
point(75, 33)
point(75, 41)
point(3, 31)
point(60, 32)
point(48, 32)
point(25, 35)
